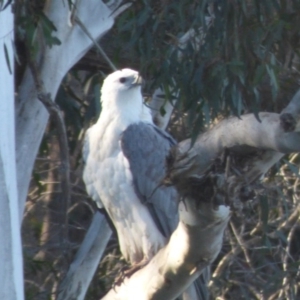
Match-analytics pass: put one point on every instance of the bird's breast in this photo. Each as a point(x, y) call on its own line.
point(109, 176)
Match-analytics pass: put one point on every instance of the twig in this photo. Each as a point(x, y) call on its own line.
point(242, 245)
point(230, 257)
point(254, 292)
point(84, 29)
point(55, 114)
point(292, 218)
point(285, 281)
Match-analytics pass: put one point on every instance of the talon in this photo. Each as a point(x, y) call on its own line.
point(127, 272)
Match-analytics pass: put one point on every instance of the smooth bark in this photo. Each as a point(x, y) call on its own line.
point(192, 247)
point(84, 265)
point(11, 262)
point(265, 134)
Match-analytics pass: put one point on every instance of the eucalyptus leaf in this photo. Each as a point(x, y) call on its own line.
point(7, 58)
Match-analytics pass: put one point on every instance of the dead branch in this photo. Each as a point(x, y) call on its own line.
point(57, 117)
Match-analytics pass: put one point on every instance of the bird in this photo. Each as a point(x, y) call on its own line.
point(125, 164)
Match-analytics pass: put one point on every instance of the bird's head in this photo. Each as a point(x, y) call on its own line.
point(121, 94)
point(122, 82)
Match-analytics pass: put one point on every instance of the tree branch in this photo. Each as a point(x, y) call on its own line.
point(56, 115)
point(84, 265)
point(181, 261)
point(236, 133)
point(85, 30)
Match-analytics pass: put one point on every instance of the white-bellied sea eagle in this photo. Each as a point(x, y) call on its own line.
point(125, 163)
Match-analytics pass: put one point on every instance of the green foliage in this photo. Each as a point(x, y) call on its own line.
point(244, 47)
point(33, 26)
point(48, 29)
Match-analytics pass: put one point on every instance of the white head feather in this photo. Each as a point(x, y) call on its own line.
point(121, 97)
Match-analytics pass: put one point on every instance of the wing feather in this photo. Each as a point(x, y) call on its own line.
point(146, 147)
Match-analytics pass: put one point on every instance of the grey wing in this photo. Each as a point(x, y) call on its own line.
point(146, 147)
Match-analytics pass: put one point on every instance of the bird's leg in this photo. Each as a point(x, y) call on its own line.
point(129, 271)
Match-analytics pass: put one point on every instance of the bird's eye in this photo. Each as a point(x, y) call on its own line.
point(122, 79)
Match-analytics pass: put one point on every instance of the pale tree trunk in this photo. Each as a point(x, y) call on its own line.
point(11, 270)
point(86, 261)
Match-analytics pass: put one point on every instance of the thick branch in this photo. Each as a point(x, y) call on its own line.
point(181, 261)
point(82, 269)
point(267, 134)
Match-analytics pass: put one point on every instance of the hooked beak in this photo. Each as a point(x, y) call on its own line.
point(138, 80)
